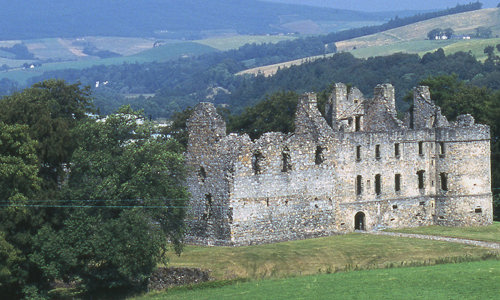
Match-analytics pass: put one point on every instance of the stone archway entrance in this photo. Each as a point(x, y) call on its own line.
point(359, 221)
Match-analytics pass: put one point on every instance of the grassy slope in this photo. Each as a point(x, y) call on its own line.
point(412, 39)
point(476, 47)
point(305, 257)
point(476, 280)
point(488, 233)
point(463, 23)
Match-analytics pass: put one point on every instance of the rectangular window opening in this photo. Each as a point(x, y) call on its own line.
point(397, 183)
point(395, 206)
point(442, 151)
point(378, 184)
point(319, 156)
point(358, 153)
point(377, 151)
point(420, 148)
point(357, 124)
point(397, 153)
point(420, 175)
point(444, 181)
point(286, 161)
point(478, 210)
point(359, 185)
point(257, 163)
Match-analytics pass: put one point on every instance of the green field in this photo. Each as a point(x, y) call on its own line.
point(487, 233)
point(475, 46)
point(473, 280)
point(329, 254)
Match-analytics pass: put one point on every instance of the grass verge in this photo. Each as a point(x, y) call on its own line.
point(489, 233)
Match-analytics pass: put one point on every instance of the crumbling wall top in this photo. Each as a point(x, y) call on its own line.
point(308, 119)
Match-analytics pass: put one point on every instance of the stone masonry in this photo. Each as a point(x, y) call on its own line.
point(358, 168)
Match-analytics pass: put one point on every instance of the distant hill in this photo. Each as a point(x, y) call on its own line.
point(189, 19)
point(413, 39)
point(463, 23)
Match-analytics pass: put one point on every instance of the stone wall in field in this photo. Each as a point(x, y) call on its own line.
point(359, 167)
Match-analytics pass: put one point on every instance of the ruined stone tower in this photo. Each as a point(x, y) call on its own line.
point(360, 168)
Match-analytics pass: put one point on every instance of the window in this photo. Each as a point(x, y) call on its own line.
point(397, 153)
point(444, 181)
point(319, 158)
point(208, 206)
point(377, 151)
point(286, 161)
point(397, 182)
point(357, 125)
point(202, 174)
point(257, 163)
point(441, 149)
point(359, 185)
point(395, 206)
point(358, 153)
point(420, 148)
point(478, 210)
point(378, 184)
point(420, 175)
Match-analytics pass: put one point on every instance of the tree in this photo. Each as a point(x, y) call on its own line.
point(19, 182)
point(448, 32)
point(50, 109)
point(436, 32)
point(275, 113)
point(131, 186)
point(483, 32)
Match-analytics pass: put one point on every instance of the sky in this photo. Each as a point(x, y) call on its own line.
point(388, 5)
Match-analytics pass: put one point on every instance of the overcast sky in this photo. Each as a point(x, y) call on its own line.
point(387, 5)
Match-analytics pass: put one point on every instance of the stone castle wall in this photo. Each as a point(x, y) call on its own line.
point(358, 168)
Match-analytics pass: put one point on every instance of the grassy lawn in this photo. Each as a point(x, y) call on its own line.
point(329, 254)
point(484, 233)
point(473, 280)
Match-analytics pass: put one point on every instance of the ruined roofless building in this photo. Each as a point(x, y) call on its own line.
point(360, 168)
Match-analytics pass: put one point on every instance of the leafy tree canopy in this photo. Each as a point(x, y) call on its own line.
point(50, 109)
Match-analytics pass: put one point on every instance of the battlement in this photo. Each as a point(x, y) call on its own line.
point(358, 168)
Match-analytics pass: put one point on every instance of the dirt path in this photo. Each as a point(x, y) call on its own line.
point(491, 245)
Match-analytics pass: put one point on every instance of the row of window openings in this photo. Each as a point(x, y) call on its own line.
point(397, 150)
point(357, 123)
point(319, 156)
point(397, 182)
point(258, 158)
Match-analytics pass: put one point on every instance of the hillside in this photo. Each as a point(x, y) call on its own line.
point(412, 39)
point(189, 19)
point(463, 23)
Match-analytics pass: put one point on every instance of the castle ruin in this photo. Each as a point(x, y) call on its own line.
point(358, 168)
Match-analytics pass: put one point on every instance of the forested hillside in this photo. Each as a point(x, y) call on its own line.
point(188, 19)
point(179, 84)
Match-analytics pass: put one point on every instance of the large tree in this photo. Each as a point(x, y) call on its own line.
point(50, 109)
point(127, 198)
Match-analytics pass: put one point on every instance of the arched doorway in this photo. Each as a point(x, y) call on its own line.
point(359, 221)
